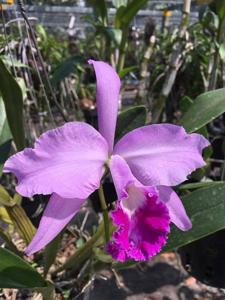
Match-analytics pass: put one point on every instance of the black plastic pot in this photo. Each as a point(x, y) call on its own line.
point(205, 259)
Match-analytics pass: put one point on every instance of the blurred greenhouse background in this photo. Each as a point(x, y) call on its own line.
point(66, 14)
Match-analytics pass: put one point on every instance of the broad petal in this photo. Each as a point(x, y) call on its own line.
point(161, 154)
point(121, 175)
point(67, 160)
point(125, 182)
point(57, 215)
point(142, 219)
point(177, 212)
point(108, 89)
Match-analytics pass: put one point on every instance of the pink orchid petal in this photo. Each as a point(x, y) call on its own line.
point(142, 219)
point(57, 215)
point(162, 154)
point(108, 89)
point(175, 206)
point(67, 160)
point(121, 175)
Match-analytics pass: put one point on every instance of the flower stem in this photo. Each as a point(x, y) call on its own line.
point(122, 49)
point(105, 213)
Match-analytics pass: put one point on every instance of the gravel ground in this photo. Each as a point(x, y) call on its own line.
point(161, 279)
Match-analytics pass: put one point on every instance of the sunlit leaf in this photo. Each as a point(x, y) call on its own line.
point(66, 68)
point(205, 109)
point(11, 62)
point(13, 100)
point(5, 136)
point(218, 6)
point(126, 71)
point(111, 34)
point(7, 238)
point(197, 185)
point(102, 255)
point(16, 273)
point(118, 3)
point(101, 8)
point(222, 51)
point(126, 14)
point(206, 208)
point(21, 222)
point(4, 216)
point(5, 198)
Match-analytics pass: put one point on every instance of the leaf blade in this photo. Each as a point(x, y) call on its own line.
point(130, 119)
point(205, 109)
point(16, 273)
point(13, 100)
point(125, 14)
point(206, 208)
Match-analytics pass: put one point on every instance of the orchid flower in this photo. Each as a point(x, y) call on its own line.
point(69, 162)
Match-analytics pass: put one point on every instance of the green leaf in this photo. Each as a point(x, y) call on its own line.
point(41, 32)
point(222, 51)
point(118, 3)
point(112, 34)
point(5, 236)
point(11, 62)
point(115, 35)
point(130, 119)
point(66, 68)
point(197, 185)
point(48, 293)
point(126, 71)
point(185, 104)
point(4, 153)
point(13, 100)
point(210, 21)
point(5, 133)
point(5, 136)
point(5, 198)
point(102, 256)
point(101, 9)
point(124, 265)
point(205, 109)
point(206, 208)
point(21, 222)
point(125, 14)
point(218, 6)
point(16, 273)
